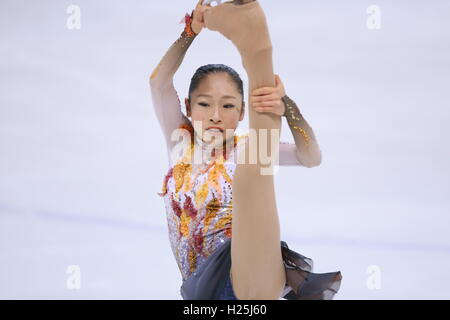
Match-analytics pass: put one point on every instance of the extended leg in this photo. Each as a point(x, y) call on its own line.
point(257, 267)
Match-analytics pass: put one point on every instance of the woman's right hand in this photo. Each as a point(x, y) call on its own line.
point(197, 21)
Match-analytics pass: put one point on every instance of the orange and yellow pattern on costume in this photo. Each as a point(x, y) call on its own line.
point(199, 206)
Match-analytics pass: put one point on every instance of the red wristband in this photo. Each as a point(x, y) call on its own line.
point(188, 24)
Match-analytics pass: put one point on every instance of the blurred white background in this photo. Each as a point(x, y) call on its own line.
point(82, 155)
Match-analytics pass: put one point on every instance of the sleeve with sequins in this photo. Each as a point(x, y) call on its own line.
point(166, 102)
point(307, 150)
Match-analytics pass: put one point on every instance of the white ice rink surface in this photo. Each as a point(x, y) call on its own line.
point(82, 155)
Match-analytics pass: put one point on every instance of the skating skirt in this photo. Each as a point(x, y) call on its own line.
point(212, 281)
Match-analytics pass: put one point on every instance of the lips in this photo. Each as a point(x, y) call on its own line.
point(218, 128)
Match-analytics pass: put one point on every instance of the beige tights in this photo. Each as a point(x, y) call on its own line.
point(257, 267)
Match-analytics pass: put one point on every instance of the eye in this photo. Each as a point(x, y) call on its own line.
point(229, 106)
point(203, 104)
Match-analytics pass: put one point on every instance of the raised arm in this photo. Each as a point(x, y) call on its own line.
point(163, 74)
point(166, 102)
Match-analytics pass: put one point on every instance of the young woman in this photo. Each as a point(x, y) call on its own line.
point(221, 211)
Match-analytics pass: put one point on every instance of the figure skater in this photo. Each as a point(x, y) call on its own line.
point(221, 211)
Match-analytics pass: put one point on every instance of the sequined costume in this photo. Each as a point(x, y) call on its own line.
point(199, 204)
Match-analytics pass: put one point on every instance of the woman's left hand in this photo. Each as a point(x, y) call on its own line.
point(268, 99)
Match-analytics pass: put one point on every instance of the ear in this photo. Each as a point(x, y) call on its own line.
point(188, 107)
point(241, 117)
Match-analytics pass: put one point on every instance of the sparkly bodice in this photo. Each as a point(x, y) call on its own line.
point(198, 202)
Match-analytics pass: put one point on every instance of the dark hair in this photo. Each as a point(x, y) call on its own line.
point(203, 71)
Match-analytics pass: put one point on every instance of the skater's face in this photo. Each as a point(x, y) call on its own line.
point(216, 102)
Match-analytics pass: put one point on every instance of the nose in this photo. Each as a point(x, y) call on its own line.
point(216, 117)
